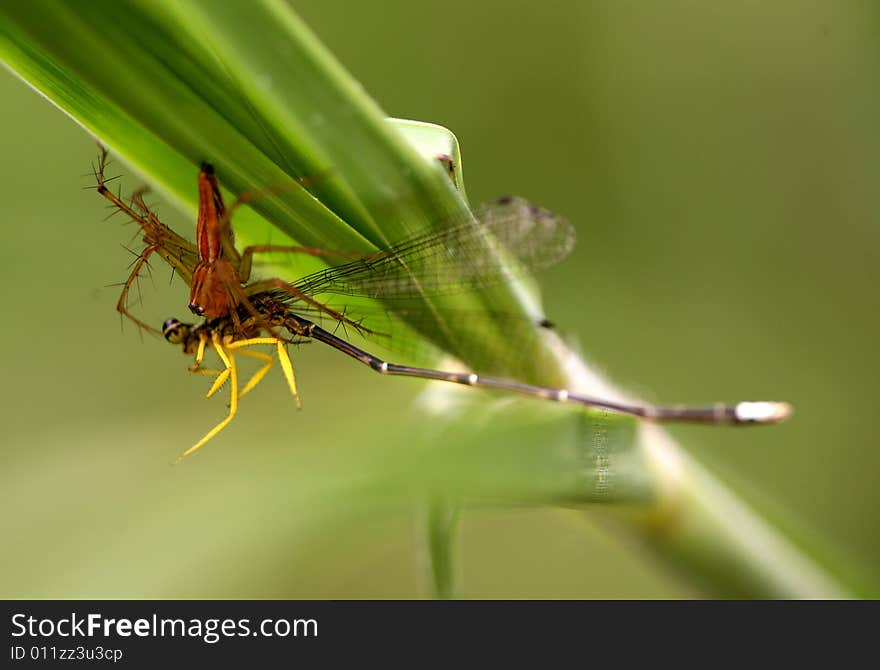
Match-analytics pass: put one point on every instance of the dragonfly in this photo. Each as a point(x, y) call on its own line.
point(239, 314)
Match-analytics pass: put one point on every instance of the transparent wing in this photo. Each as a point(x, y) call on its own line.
point(456, 258)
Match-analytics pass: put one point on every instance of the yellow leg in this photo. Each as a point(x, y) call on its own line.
point(200, 353)
point(287, 367)
point(257, 377)
point(250, 342)
point(221, 375)
point(283, 358)
point(259, 374)
point(228, 359)
point(226, 350)
point(206, 371)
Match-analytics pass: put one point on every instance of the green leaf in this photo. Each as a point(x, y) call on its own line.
point(442, 517)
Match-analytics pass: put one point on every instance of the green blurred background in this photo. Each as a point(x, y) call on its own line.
point(720, 163)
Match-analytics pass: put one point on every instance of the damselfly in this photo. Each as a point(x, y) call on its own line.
point(239, 314)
